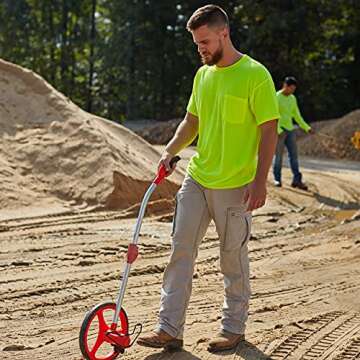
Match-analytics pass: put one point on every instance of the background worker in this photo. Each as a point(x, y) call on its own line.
point(289, 110)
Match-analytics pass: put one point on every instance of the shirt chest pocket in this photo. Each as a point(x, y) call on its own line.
point(234, 109)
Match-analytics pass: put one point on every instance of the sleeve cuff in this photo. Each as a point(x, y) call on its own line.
point(267, 118)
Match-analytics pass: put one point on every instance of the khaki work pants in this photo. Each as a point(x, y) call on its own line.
point(196, 206)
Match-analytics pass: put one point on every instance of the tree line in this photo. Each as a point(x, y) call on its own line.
point(134, 59)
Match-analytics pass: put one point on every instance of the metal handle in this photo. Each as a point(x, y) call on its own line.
point(132, 250)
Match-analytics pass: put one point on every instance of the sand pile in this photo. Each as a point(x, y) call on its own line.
point(333, 138)
point(51, 151)
point(155, 132)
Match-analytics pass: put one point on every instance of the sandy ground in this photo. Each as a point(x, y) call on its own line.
point(61, 252)
point(305, 277)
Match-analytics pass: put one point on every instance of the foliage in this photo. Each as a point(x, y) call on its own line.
point(134, 59)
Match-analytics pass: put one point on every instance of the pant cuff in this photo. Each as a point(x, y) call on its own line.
point(233, 330)
point(169, 330)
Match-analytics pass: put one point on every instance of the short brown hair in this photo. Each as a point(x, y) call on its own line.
point(211, 15)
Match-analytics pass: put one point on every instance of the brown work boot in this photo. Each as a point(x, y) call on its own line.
point(299, 185)
point(225, 340)
point(160, 339)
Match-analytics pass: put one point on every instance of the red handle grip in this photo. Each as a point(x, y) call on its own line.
point(162, 173)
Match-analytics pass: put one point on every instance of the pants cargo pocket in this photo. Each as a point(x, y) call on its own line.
point(237, 229)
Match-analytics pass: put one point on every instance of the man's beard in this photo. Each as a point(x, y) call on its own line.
point(213, 59)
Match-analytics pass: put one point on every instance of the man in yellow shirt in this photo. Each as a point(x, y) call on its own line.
point(233, 111)
point(289, 110)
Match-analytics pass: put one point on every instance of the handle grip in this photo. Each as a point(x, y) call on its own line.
point(162, 173)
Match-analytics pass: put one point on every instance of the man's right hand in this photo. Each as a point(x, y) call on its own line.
point(165, 160)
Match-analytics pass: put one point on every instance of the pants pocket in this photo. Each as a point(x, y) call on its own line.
point(237, 229)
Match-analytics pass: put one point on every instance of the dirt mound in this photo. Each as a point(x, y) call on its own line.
point(333, 138)
point(51, 151)
point(155, 132)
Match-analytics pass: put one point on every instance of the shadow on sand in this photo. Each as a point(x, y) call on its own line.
point(245, 350)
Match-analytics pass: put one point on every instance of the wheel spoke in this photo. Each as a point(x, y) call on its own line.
point(99, 341)
point(103, 327)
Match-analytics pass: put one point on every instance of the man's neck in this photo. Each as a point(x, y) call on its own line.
point(230, 57)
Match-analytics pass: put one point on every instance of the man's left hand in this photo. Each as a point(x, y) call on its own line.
point(255, 195)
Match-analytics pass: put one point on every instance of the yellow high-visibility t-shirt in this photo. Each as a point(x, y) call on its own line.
point(289, 110)
point(230, 103)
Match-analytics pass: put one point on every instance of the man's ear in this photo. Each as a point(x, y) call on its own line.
point(225, 32)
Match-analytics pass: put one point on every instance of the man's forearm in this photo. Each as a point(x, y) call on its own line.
point(300, 121)
point(267, 148)
point(184, 135)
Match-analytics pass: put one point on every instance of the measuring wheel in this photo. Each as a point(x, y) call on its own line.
point(98, 341)
point(104, 333)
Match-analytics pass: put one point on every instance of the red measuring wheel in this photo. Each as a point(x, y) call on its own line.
point(104, 333)
point(98, 340)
